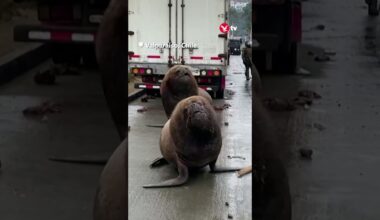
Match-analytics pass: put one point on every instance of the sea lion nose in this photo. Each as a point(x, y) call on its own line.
point(195, 107)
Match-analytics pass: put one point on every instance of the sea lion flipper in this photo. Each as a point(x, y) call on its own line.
point(179, 180)
point(158, 162)
point(155, 125)
point(214, 169)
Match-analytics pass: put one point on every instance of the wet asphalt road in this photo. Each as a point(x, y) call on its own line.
point(205, 195)
point(31, 186)
point(341, 181)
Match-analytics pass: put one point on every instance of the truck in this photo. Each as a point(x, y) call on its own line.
point(277, 27)
point(69, 28)
point(234, 46)
point(164, 33)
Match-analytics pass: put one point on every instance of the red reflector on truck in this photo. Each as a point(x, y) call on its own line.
point(196, 58)
point(61, 36)
point(135, 56)
point(216, 58)
point(154, 56)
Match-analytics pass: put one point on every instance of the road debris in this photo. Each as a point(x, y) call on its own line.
point(239, 157)
point(230, 216)
point(225, 123)
point(320, 27)
point(44, 78)
point(144, 99)
point(306, 153)
point(230, 92)
point(141, 110)
point(302, 101)
point(222, 107)
point(318, 126)
point(322, 58)
point(227, 204)
point(278, 104)
point(42, 109)
point(309, 94)
point(302, 71)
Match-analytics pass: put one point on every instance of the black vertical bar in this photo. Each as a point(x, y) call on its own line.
point(183, 28)
point(176, 28)
point(170, 32)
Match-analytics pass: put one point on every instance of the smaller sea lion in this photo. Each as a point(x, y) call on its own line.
point(112, 56)
point(111, 195)
point(191, 138)
point(179, 83)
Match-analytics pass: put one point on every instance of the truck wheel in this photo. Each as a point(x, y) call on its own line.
point(65, 54)
point(372, 8)
point(285, 59)
point(89, 58)
point(219, 94)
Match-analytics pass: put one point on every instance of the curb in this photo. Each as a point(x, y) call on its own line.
point(16, 63)
point(135, 95)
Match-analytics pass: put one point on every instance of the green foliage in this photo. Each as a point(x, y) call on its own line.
point(242, 19)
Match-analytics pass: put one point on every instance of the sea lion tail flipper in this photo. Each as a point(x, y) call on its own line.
point(179, 180)
point(214, 169)
point(158, 162)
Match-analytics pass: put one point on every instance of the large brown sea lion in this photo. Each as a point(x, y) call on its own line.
point(111, 196)
point(112, 57)
point(111, 51)
point(179, 83)
point(271, 194)
point(191, 138)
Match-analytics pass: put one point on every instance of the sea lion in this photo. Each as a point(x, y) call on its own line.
point(179, 83)
point(270, 183)
point(112, 57)
point(191, 138)
point(111, 195)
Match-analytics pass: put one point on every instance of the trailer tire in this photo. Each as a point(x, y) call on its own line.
point(89, 58)
point(285, 59)
point(65, 54)
point(219, 94)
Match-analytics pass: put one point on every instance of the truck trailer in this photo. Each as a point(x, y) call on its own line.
point(68, 26)
point(164, 33)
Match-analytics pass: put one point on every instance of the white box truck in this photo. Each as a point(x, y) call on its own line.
point(163, 33)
